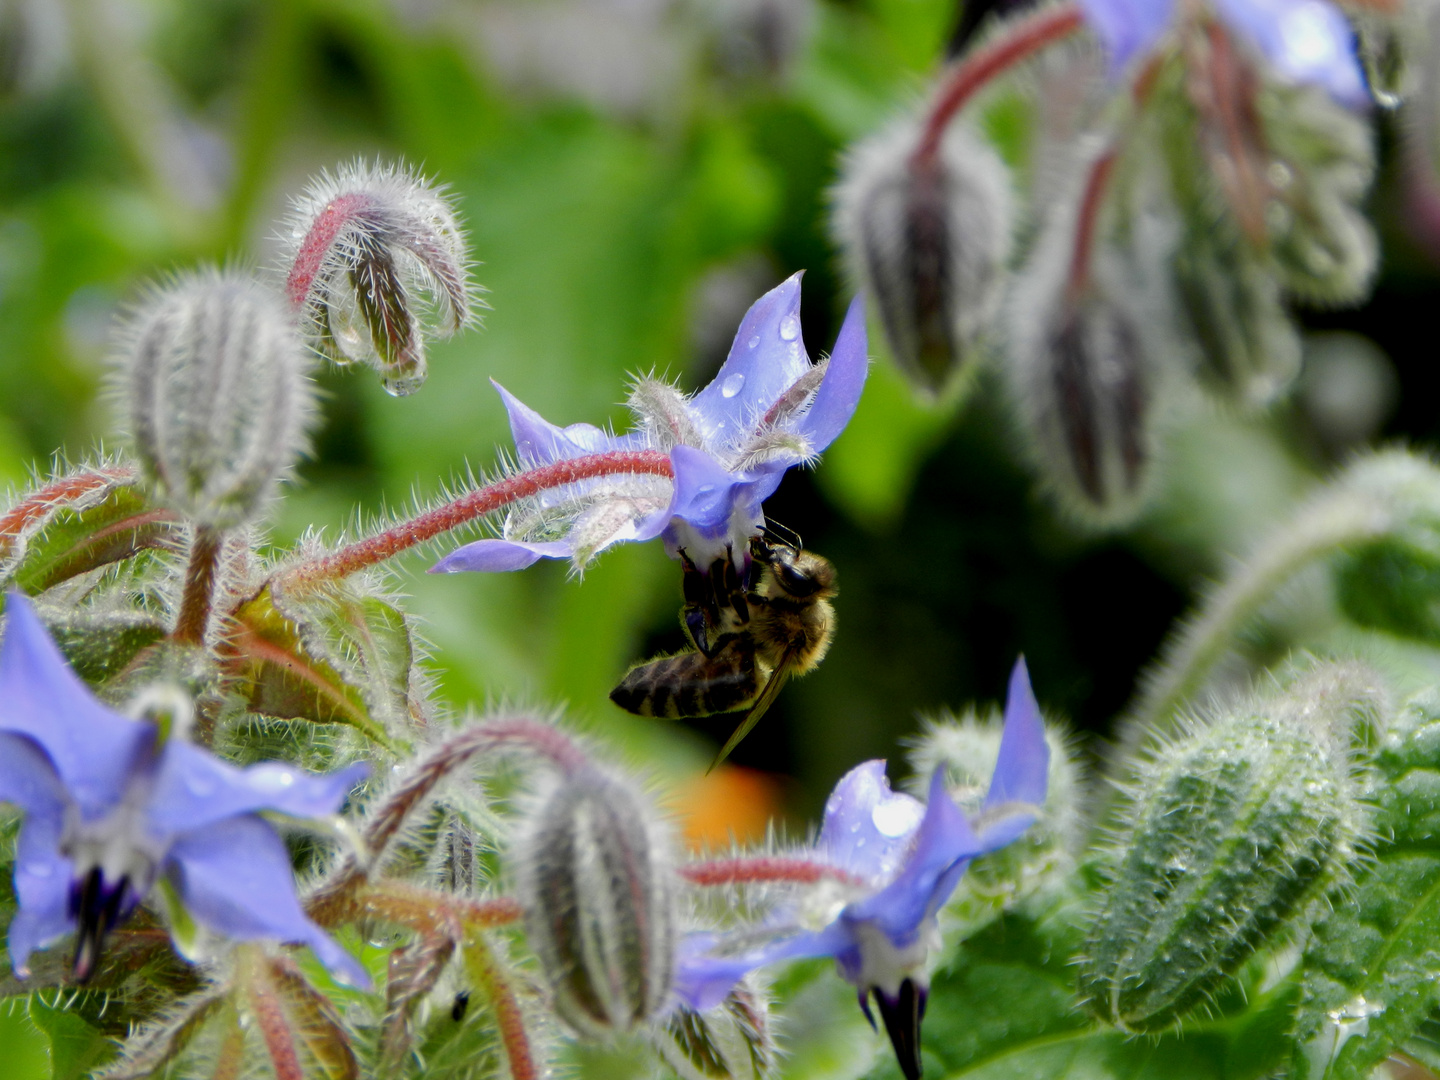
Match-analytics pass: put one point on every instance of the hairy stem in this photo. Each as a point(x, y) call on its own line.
point(1025, 38)
point(335, 901)
point(743, 870)
point(429, 911)
point(1089, 216)
point(486, 500)
point(1373, 498)
point(199, 586)
point(485, 968)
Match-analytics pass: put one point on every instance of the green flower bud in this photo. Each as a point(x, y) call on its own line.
point(215, 392)
point(1235, 830)
point(596, 888)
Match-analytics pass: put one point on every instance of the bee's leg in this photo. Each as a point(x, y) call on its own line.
point(695, 625)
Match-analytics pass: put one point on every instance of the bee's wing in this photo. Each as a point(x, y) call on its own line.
point(772, 689)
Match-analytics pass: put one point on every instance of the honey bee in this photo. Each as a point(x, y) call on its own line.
point(750, 633)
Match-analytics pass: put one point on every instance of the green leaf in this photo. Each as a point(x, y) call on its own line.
point(1006, 1007)
point(287, 679)
point(24, 1049)
point(100, 644)
point(107, 528)
point(75, 1046)
point(1372, 970)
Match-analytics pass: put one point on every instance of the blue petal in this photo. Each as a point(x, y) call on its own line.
point(943, 840)
point(1127, 28)
point(496, 556)
point(92, 748)
point(867, 826)
point(235, 878)
point(839, 391)
point(1307, 40)
point(195, 789)
point(764, 362)
point(42, 874)
point(539, 442)
point(28, 778)
point(43, 891)
point(1022, 768)
point(702, 980)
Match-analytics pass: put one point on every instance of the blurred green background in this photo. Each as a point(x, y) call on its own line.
point(633, 173)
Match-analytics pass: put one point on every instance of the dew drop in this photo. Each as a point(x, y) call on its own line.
point(896, 816)
point(755, 341)
point(39, 869)
point(705, 489)
point(732, 385)
point(789, 328)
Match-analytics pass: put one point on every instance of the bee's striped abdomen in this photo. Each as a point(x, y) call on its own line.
point(691, 684)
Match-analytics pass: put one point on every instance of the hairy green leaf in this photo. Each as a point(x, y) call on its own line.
point(1372, 970)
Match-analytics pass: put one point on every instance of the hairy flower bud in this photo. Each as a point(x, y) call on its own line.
point(1248, 346)
point(361, 244)
point(1234, 830)
point(599, 903)
point(214, 388)
point(927, 236)
point(1087, 348)
point(732, 1042)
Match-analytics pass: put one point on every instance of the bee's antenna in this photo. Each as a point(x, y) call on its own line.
point(775, 532)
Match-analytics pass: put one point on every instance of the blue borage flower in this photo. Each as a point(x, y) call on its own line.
point(908, 858)
point(110, 808)
point(1307, 41)
point(767, 409)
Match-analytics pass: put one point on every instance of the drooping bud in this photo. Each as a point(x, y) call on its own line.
point(1249, 347)
point(1323, 244)
point(1086, 354)
point(734, 1041)
point(927, 235)
point(599, 903)
point(365, 246)
point(1234, 831)
point(215, 391)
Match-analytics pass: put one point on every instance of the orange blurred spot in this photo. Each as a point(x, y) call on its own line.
point(731, 801)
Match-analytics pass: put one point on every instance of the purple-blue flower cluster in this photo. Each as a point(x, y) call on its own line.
point(907, 859)
point(767, 409)
point(111, 808)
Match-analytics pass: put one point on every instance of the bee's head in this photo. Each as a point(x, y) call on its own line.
point(798, 573)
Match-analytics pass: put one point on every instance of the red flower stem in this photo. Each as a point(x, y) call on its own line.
point(467, 508)
point(740, 871)
point(966, 78)
point(509, 1019)
point(1090, 204)
point(270, 1018)
point(338, 213)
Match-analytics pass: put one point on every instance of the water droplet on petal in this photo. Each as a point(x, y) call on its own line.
point(789, 328)
point(896, 817)
point(705, 489)
point(732, 385)
point(754, 341)
point(39, 869)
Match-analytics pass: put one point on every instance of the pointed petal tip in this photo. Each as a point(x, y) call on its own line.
point(1022, 769)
